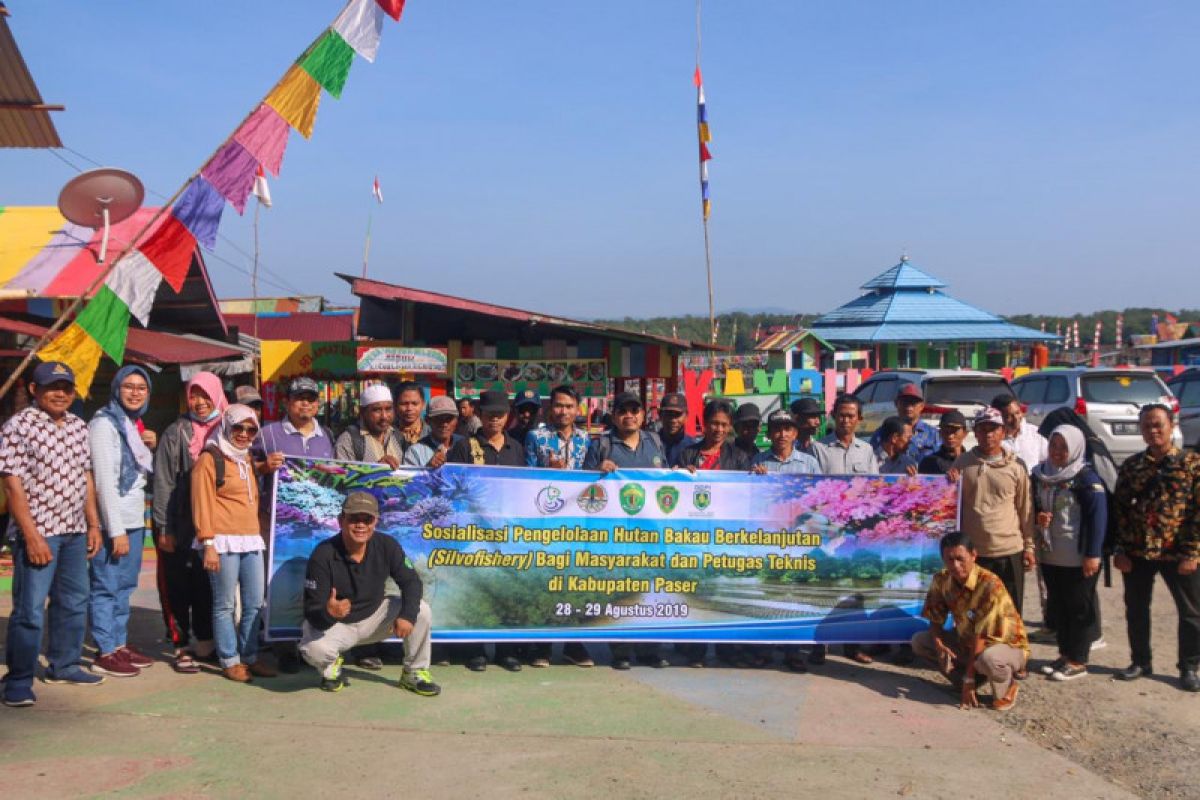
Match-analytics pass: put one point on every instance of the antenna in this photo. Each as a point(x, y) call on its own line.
point(99, 198)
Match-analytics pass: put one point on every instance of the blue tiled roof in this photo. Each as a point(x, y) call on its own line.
point(904, 304)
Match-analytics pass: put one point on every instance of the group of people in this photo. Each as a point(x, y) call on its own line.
point(78, 493)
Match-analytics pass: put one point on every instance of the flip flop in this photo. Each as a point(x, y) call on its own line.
point(185, 664)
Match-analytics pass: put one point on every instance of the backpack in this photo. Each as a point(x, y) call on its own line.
point(218, 458)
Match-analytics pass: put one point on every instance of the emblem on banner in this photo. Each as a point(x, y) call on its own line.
point(549, 500)
point(633, 498)
point(702, 496)
point(668, 498)
point(593, 499)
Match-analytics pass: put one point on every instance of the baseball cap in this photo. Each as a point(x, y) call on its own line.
point(953, 417)
point(988, 416)
point(806, 407)
point(780, 417)
point(527, 397)
point(52, 372)
point(627, 398)
point(302, 385)
point(247, 395)
point(675, 402)
point(493, 401)
point(747, 412)
point(360, 503)
point(442, 407)
point(910, 390)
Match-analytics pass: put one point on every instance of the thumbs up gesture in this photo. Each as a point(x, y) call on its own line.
point(338, 609)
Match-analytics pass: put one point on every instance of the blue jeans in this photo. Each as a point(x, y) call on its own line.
point(113, 582)
point(237, 643)
point(65, 582)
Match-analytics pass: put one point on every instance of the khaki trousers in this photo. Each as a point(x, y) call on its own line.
point(999, 663)
point(322, 648)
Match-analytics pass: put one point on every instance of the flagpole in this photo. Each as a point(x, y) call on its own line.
point(367, 243)
point(254, 271)
point(712, 317)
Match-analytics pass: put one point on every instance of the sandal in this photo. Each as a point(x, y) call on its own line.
point(185, 664)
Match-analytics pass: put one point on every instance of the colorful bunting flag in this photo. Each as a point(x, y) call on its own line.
point(231, 175)
point(704, 136)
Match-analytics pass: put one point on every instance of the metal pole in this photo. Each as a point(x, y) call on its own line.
point(367, 243)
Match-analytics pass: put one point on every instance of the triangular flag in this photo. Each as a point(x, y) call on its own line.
point(200, 210)
point(704, 154)
point(361, 25)
point(78, 351)
point(377, 190)
point(296, 99)
point(106, 319)
point(231, 172)
point(135, 280)
point(261, 190)
point(170, 250)
point(696, 78)
point(329, 62)
point(393, 8)
point(265, 136)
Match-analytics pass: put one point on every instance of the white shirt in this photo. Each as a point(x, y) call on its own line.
point(1028, 445)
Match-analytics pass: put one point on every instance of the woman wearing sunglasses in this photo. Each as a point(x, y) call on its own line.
point(225, 511)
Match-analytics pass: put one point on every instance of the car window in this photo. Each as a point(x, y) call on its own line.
point(1118, 388)
point(1057, 390)
point(963, 391)
point(885, 391)
point(865, 391)
point(1031, 390)
point(1189, 392)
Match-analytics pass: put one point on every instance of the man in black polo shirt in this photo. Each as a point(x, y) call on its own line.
point(345, 604)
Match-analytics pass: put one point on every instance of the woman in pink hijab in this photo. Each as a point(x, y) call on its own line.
point(184, 589)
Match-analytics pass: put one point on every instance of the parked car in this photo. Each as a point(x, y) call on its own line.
point(944, 390)
point(1186, 387)
point(1107, 397)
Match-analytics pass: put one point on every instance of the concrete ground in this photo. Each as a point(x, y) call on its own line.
point(566, 732)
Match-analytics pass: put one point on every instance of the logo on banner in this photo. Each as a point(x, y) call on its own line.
point(549, 500)
point(668, 498)
point(633, 498)
point(593, 499)
point(702, 496)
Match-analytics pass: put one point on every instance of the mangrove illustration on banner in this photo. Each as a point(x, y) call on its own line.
point(664, 555)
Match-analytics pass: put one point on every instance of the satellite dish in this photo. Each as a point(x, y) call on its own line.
point(99, 198)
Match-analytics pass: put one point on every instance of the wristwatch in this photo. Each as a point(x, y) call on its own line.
point(209, 543)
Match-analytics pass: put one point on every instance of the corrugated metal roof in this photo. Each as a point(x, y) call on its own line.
point(156, 347)
point(299, 327)
point(787, 340)
point(935, 331)
point(24, 117)
point(904, 276)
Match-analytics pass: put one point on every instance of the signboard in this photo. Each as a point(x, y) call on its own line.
point(651, 555)
point(427, 360)
point(589, 377)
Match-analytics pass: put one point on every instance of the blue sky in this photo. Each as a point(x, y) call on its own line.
point(1037, 156)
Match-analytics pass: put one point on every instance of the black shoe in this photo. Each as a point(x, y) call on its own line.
point(621, 664)
point(1135, 671)
point(509, 663)
point(290, 663)
point(817, 657)
point(1189, 681)
point(373, 663)
point(477, 664)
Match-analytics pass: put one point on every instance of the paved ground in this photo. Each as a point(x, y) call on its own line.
point(561, 732)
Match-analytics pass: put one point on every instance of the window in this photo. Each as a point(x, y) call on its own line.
point(885, 391)
point(865, 391)
point(1031, 391)
point(1188, 392)
point(964, 391)
point(1130, 387)
point(1057, 390)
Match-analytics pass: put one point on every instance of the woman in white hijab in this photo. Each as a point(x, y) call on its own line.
point(1072, 515)
point(225, 512)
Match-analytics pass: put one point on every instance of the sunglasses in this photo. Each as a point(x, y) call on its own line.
point(248, 430)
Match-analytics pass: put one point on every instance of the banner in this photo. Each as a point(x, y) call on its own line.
point(656, 555)
point(589, 377)
point(430, 360)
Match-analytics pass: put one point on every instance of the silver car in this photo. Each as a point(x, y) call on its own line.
point(962, 390)
point(1109, 398)
point(1186, 386)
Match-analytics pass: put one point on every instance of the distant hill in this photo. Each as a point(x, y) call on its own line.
point(737, 328)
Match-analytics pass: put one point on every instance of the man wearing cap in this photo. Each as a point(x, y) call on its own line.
point(410, 407)
point(783, 457)
point(747, 422)
point(374, 438)
point(845, 453)
point(46, 466)
point(249, 396)
point(909, 405)
point(952, 429)
point(672, 417)
point(527, 405)
point(807, 413)
point(1020, 437)
point(997, 506)
point(626, 445)
point(346, 604)
point(431, 451)
point(894, 435)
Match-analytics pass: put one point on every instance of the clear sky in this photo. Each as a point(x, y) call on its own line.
point(1038, 157)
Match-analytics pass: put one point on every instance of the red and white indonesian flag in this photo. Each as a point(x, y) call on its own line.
point(376, 190)
point(261, 190)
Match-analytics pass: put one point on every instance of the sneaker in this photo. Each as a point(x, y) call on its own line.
point(1053, 667)
point(577, 654)
point(1099, 644)
point(136, 657)
point(76, 677)
point(509, 663)
point(539, 663)
point(621, 664)
point(1134, 671)
point(115, 664)
point(1189, 681)
point(419, 681)
point(373, 663)
point(478, 664)
point(18, 698)
point(1067, 672)
point(334, 684)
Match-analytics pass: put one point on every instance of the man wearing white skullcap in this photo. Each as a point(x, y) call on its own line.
point(375, 438)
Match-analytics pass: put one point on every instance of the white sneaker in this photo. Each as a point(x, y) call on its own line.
point(1099, 644)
